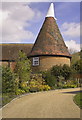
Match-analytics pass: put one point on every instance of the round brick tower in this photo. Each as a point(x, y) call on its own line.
point(49, 48)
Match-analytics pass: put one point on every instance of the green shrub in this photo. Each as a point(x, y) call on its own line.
point(49, 78)
point(8, 80)
point(33, 89)
point(33, 86)
point(7, 97)
point(43, 87)
point(73, 86)
point(40, 87)
point(19, 92)
point(22, 69)
point(61, 71)
point(26, 89)
point(78, 66)
point(66, 71)
point(46, 87)
point(69, 86)
point(37, 83)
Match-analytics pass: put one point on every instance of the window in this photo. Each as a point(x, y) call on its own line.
point(35, 61)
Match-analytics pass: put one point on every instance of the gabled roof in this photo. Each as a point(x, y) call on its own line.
point(11, 51)
point(49, 40)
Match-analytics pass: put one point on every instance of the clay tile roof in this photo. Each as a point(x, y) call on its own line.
point(10, 51)
point(49, 40)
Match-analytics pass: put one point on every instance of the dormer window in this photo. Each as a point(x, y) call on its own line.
point(35, 61)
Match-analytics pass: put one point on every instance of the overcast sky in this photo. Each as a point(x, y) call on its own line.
point(22, 21)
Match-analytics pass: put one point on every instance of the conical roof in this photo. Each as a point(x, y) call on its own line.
point(49, 40)
point(50, 12)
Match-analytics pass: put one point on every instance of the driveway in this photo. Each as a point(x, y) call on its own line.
point(51, 104)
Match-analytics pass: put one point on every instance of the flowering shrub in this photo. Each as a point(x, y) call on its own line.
point(69, 86)
point(46, 87)
point(23, 84)
point(19, 91)
point(37, 83)
point(43, 87)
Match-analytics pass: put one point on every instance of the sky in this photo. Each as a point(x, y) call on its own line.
point(21, 21)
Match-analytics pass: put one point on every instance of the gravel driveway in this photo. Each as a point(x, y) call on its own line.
point(51, 104)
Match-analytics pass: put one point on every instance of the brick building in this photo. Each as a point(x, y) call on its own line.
point(48, 50)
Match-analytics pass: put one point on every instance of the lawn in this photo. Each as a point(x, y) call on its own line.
point(78, 99)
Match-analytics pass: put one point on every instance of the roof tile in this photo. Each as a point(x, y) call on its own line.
point(49, 40)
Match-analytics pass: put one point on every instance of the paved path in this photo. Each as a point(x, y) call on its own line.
point(51, 104)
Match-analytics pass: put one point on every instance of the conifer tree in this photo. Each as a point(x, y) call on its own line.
point(23, 69)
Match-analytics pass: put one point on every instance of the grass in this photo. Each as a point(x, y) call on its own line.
point(78, 99)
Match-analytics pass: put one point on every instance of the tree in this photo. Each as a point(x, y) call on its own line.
point(49, 78)
point(61, 71)
point(56, 71)
point(78, 66)
point(23, 69)
point(66, 71)
point(8, 80)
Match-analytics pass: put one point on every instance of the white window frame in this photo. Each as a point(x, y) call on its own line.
point(35, 61)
